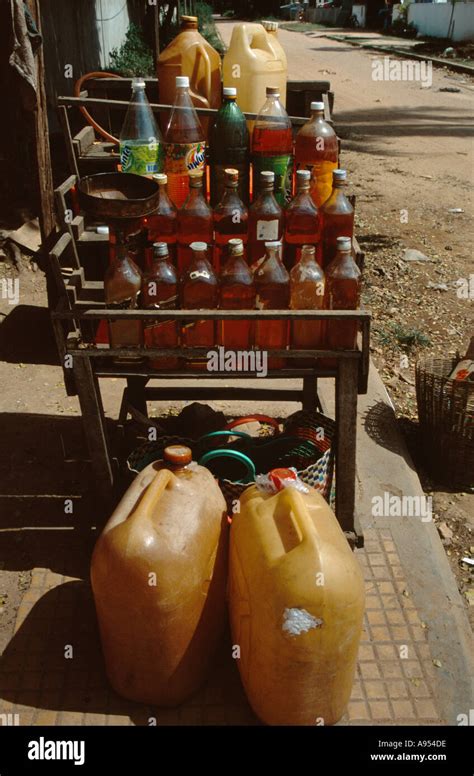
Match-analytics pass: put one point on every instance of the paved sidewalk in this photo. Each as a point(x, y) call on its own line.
point(413, 661)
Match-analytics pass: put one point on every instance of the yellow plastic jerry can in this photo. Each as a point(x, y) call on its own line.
point(296, 599)
point(159, 572)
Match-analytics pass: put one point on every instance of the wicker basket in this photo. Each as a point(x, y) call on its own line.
point(446, 414)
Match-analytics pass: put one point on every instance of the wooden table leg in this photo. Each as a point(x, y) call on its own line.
point(94, 425)
point(136, 393)
point(310, 393)
point(346, 423)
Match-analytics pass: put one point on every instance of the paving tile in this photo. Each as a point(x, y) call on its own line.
point(395, 617)
point(386, 651)
point(95, 719)
point(377, 559)
point(358, 710)
point(366, 652)
point(392, 669)
point(376, 617)
point(370, 670)
point(44, 717)
point(118, 719)
point(373, 602)
point(380, 633)
point(400, 633)
point(396, 688)
point(380, 710)
point(375, 689)
point(426, 709)
point(357, 693)
point(403, 709)
point(412, 669)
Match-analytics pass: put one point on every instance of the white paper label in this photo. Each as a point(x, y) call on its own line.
point(267, 230)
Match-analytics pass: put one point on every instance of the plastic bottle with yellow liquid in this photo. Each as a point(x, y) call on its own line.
point(316, 149)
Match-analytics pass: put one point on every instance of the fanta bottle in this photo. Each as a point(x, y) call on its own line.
point(185, 146)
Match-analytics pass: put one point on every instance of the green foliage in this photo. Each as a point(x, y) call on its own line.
point(207, 26)
point(405, 337)
point(134, 57)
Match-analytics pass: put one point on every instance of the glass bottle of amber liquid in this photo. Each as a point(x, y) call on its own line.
point(316, 150)
point(230, 218)
point(198, 291)
point(343, 281)
point(159, 292)
point(195, 223)
point(302, 222)
point(265, 218)
point(236, 292)
point(272, 284)
point(122, 285)
point(337, 216)
point(307, 287)
point(162, 225)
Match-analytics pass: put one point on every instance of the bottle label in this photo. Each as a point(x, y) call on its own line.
point(282, 166)
point(267, 230)
point(199, 273)
point(141, 159)
point(181, 158)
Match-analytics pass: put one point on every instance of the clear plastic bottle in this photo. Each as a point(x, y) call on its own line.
point(185, 146)
point(337, 217)
point(163, 223)
point(343, 281)
point(272, 284)
point(302, 222)
point(236, 292)
point(265, 218)
point(141, 143)
point(230, 218)
point(122, 286)
point(316, 149)
point(307, 290)
point(195, 221)
point(159, 292)
point(272, 146)
point(229, 146)
point(198, 291)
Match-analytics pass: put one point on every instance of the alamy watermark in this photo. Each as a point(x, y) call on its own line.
point(389, 505)
point(250, 361)
point(387, 69)
point(10, 290)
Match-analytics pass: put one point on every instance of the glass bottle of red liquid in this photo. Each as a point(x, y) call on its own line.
point(307, 287)
point(265, 218)
point(236, 292)
point(337, 216)
point(316, 150)
point(198, 291)
point(343, 281)
point(230, 218)
point(272, 147)
point(272, 284)
point(195, 222)
point(302, 221)
point(162, 225)
point(185, 146)
point(122, 285)
point(159, 292)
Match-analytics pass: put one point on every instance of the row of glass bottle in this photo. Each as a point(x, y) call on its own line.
point(184, 149)
point(300, 223)
point(265, 286)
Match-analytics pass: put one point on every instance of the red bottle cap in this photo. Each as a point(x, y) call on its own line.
point(277, 477)
point(177, 455)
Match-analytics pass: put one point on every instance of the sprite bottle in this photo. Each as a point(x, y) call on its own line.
point(141, 143)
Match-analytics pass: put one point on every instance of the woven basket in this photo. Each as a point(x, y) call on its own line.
point(446, 414)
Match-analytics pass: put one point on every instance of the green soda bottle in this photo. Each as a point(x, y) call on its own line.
point(141, 143)
point(229, 147)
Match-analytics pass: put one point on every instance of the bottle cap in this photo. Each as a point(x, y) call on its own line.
point(231, 175)
point(267, 177)
point(181, 81)
point(236, 246)
point(277, 477)
point(160, 177)
point(189, 21)
point(196, 178)
point(273, 91)
point(303, 176)
point(308, 249)
point(273, 244)
point(230, 91)
point(177, 455)
point(317, 105)
point(270, 26)
point(138, 83)
point(160, 249)
point(198, 246)
point(344, 243)
point(339, 175)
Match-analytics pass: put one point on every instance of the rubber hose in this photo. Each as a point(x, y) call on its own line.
point(77, 93)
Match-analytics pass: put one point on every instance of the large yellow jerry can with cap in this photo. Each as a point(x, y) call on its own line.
point(159, 573)
point(296, 599)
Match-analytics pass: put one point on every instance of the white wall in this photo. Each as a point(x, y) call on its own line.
point(112, 24)
point(433, 19)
